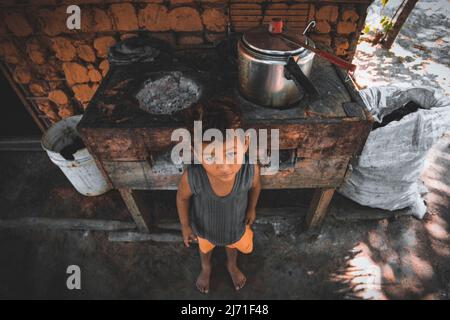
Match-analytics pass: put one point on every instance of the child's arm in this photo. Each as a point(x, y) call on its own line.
point(183, 195)
point(253, 196)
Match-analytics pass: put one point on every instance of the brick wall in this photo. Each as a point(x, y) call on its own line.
point(60, 69)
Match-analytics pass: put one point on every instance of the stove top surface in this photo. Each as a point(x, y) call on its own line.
point(158, 93)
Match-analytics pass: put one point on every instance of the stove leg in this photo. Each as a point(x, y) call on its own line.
point(318, 207)
point(139, 212)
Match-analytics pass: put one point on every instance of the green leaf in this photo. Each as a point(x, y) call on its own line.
point(384, 2)
point(366, 29)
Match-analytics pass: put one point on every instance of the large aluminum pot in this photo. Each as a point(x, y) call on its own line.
point(273, 72)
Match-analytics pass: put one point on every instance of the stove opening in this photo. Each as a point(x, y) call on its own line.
point(169, 93)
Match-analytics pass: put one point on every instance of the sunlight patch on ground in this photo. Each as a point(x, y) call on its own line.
point(362, 275)
point(418, 57)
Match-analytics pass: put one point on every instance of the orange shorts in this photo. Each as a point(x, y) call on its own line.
point(244, 245)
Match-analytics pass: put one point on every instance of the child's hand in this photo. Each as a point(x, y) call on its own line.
point(188, 235)
point(251, 216)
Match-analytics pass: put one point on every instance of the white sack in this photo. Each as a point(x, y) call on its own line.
point(387, 173)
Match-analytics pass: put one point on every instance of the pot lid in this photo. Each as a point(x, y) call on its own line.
point(263, 41)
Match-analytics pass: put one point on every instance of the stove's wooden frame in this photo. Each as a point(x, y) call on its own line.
point(326, 136)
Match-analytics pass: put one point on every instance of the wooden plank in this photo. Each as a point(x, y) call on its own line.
point(318, 140)
point(138, 211)
point(319, 206)
point(313, 139)
point(308, 173)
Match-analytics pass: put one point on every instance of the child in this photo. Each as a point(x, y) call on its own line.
point(216, 201)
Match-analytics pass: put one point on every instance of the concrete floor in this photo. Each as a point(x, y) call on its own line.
point(358, 253)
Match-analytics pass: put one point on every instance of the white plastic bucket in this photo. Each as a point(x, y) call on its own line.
point(82, 172)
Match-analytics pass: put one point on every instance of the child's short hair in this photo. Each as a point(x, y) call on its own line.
point(220, 114)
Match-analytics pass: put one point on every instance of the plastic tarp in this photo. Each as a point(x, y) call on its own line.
point(387, 173)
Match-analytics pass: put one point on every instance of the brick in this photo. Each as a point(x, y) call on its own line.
point(75, 73)
point(350, 15)
point(167, 37)
point(18, 24)
point(312, 12)
point(55, 85)
point(319, 39)
point(49, 71)
point(251, 6)
point(278, 6)
point(124, 16)
point(66, 111)
point(341, 46)
point(84, 92)
point(36, 51)
point(323, 27)
point(38, 88)
point(95, 20)
point(327, 13)
point(48, 110)
point(53, 22)
point(22, 74)
point(214, 19)
point(103, 44)
point(86, 53)
point(344, 27)
point(154, 17)
point(104, 67)
point(189, 40)
point(215, 37)
point(94, 75)
point(59, 97)
point(185, 19)
point(175, 2)
point(63, 48)
point(9, 52)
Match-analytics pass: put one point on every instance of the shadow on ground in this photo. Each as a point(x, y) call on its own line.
point(359, 253)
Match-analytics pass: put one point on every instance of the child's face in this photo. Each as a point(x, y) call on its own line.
point(226, 165)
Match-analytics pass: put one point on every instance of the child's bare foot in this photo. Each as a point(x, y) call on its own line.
point(237, 276)
point(202, 282)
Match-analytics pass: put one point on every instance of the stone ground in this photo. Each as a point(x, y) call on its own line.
point(420, 54)
point(358, 253)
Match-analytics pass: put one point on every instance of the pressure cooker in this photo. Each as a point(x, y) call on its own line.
point(274, 71)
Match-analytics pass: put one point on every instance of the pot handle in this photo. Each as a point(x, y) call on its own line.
point(292, 71)
point(311, 24)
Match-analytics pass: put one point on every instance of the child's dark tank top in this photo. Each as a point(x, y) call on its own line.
point(221, 220)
